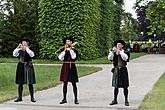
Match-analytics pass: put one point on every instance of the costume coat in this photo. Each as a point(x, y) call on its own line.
point(68, 70)
point(120, 77)
point(25, 71)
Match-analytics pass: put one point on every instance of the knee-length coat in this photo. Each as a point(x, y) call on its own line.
point(120, 78)
point(68, 69)
point(25, 71)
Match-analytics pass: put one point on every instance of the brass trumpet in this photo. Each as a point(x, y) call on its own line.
point(114, 49)
point(66, 46)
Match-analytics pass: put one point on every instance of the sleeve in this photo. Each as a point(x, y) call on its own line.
point(16, 52)
point(61, 56)
point(73, 54)
point(124, 56)
point(30, 52)
point(111, 55)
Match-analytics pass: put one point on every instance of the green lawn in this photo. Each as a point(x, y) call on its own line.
point(155, 99)
point(47, 76)
point(102, 60)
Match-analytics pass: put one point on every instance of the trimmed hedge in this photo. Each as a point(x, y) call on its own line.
point(94, 24)
point(76, 18)
point(117, 17)
point(106, 34)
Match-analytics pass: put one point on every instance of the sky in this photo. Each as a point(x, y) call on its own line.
point(128, 5)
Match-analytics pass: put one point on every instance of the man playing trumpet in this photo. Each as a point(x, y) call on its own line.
point(120, 72)
point(68, 71)
point(25, 70)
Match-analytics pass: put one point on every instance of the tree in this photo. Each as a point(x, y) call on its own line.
point(157, 17)
point(106, 33)
point(5, 6)
point(143, 23)
point(117, 18)
point(129, 27)
point(20, 21)
point(153, 18)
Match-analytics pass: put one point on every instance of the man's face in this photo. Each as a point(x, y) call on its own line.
point(119, 46)
point(68, 42)
point(24, 43)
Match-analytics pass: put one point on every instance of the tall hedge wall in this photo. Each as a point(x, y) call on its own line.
point(106, 30)
point(117, 17)
point(94, 24)
point(76, 18)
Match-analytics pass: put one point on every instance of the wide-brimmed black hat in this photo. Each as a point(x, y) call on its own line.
point(119, 41)
point(68, 38)
point(24, 39)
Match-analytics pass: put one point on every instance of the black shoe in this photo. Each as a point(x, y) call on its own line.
point(33, 100)
point(113, 102)
point(18, 99)
point(126, 103)
point(76, 101)
point(63, 101)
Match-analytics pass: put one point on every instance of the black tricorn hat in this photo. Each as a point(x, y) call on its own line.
point(68, 38)
point(119, 41)
point(24, 39)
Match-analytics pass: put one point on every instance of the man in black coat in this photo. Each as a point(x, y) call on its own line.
point(120, 73)
point(25, 71)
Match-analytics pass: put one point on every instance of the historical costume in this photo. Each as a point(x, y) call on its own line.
point(68, 71)
point(120, 73)
point(25, 71)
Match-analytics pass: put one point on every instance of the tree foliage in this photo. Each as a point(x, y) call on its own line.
point(61, 18)
point(94, 24)
point(151, 20)
point(20, 21)
point(156, 16)
point(88, 22)
point(129, 27)
point(106, 33)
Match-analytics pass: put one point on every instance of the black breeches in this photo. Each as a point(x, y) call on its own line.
point(20, 90)
point(74, 90)
point(65, 89)
point(116, 91)
point(125, 91)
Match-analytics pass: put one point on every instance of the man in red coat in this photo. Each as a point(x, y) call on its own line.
point(68, 71)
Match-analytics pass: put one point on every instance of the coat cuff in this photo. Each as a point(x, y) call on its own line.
point(31, 53)
point(73, 54)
